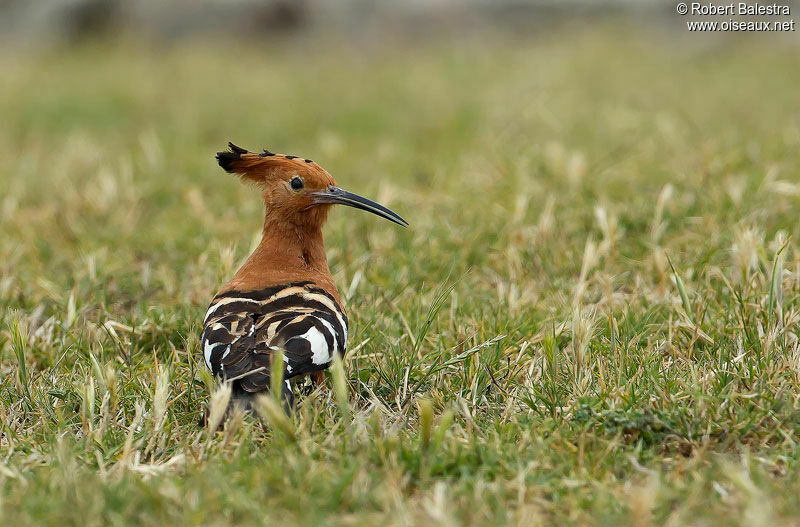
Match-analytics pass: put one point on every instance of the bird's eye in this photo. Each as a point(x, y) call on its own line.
point(296, 183)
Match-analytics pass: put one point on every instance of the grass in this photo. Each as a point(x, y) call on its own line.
point(593, 318)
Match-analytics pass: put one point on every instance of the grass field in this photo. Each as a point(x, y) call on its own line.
point(593, 318)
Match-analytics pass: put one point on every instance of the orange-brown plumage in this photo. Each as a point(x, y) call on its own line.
point(284, 296)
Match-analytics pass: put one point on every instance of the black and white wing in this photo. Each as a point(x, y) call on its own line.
point(242, 329)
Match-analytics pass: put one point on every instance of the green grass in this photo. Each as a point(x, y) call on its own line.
point(590, 320)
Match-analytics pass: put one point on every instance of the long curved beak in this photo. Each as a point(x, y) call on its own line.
point(336, 195)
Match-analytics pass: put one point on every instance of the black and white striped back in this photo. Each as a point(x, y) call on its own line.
point(242, 328)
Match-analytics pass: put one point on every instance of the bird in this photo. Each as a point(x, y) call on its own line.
point(283, 297)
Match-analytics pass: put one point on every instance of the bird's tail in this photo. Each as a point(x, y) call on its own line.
point(246, 401)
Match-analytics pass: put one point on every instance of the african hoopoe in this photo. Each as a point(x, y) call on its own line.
point(283, 297)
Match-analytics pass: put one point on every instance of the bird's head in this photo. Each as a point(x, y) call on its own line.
point(294, 189)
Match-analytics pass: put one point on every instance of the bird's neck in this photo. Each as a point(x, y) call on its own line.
point(287, 253)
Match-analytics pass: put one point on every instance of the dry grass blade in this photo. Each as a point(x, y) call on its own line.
point(775, 281)
point(19, 342)
point(687, 307)
point(340, 390)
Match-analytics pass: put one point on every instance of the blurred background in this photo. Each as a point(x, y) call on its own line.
point(65, 21)
point(58, 21)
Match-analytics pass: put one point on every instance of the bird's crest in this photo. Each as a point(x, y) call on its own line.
point(250, 165)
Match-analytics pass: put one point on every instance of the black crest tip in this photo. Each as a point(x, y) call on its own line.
point(237, 149)
point(227, 159)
